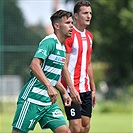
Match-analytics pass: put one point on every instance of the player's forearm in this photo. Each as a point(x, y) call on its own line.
point(67, 78)
point(60, 88)
point(37, 71)
point(91, 76)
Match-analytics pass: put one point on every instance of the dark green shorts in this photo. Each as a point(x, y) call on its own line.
point(28, 114)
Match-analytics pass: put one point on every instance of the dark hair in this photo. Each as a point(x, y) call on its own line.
point(58, 15)
point(79, 4)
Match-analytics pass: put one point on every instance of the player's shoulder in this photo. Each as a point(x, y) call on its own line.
point(89, 33)
point(49, 39)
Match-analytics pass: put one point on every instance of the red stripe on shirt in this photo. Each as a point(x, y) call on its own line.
point(77, 71)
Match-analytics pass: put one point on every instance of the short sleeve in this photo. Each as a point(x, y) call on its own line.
point(44, 49)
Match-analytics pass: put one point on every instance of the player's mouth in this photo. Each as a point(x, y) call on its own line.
point(70, 31)
point(87, 20)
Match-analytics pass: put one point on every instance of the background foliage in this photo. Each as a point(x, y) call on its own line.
point(112, 26)
point(19, 41)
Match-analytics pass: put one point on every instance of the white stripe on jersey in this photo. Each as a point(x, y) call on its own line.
point(60, 47)
point(53, 82)
point(73, 56)
point(39, 102)
point(52, 70)
point(83, 64)
point(40, 91)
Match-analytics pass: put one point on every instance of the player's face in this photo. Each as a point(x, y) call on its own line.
point(84, 16)
point(66, 26)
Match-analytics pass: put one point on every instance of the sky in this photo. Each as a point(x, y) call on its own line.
point(38, 11)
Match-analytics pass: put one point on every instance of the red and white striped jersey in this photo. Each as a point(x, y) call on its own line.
point(79, 45)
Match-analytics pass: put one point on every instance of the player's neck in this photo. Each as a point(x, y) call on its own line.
point(80, 27)
point(60, 38)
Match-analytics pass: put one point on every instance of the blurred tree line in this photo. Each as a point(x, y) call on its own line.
point(111, 25)
point(19, 41)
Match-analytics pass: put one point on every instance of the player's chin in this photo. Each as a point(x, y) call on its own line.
point(87, 23)
point(69, 34)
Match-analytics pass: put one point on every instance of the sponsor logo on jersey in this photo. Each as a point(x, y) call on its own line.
point(60, 59)
point(57, 113)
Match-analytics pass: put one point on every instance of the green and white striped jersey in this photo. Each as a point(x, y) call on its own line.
point(53, 54)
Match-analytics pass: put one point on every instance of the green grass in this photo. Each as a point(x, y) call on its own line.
point(100, 123)
point(112, 122)
point(107, 117)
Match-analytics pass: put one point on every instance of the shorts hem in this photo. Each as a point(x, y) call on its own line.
point(53, 127)
point(19, 130)
point(74, 118)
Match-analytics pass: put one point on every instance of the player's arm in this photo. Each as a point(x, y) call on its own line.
point(66, 75)
point(92, 83)
point(64, 93)
point(35, 66)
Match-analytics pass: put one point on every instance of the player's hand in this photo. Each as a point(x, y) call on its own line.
point(52, 94)
point(67, 99)
point(93, 98)
point(75, 96)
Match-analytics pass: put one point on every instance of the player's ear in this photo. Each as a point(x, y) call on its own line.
point(56, 25)
point(76, 16)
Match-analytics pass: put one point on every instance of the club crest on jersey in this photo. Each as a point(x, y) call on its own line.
point(57, 113)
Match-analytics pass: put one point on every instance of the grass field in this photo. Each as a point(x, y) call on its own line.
point(118, 120)
point(100, 123)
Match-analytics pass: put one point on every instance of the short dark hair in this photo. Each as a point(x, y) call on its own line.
point(59, 14)
point(79, 4)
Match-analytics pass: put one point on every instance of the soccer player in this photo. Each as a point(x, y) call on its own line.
point(37, 100)
point(78, 72)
